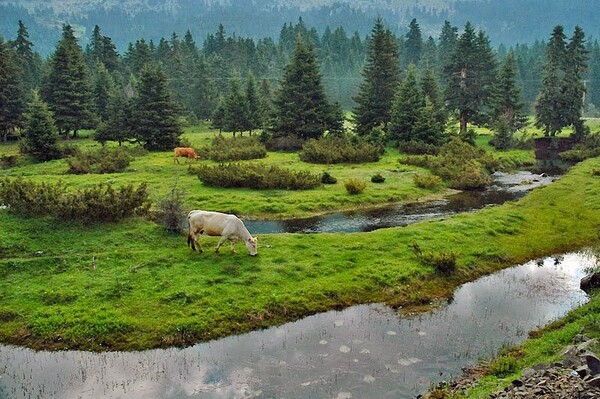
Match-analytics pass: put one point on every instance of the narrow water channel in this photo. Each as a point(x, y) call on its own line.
point(367, 351)
point(505, 187)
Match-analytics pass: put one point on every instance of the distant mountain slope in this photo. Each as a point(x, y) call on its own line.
point(505, 21)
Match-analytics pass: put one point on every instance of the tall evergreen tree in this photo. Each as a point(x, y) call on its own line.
point(407, 105)
point(236, 108)
point(29, 62)
point(12, 98)
point(507, 114)
point(155, 114)
point(574, 87)
point(118, 126)
point(68, 88)
point(470, 74)
point(203, 97)
point(446, 43)
point(431, 92)
point(103, 90)
point(381, 76)
point(39, 133)
point(254, 115)
point(413, 44)
point(301, 107)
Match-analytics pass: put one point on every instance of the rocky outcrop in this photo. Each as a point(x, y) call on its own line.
point(590, 282)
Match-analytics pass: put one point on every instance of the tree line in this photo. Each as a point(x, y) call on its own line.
point(401, 88)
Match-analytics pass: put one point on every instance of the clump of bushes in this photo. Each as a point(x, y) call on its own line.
point(326, 178)
point(8, 161)
point(418, 147)
point(234, 149)
point(288, 143)
point(427, 181)
point(462, 165)
point(443, 262)
point(334, 149)
point(170, 210)
point(588, 148)
point(258, 176)
point(355, 186)
point(503, 366)
point(377, 178)
point(101, 203)
point(104, 160)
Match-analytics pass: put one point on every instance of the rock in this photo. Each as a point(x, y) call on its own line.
point(581, 371)
point(590, 282)
point(594, 382)
point(593, 363)
point(528, 373)
point(585, 346)
point(517, 383)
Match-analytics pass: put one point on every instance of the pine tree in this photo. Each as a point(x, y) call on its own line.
point(507, 114)
point(154, 115)
point(203, 98)
point(29, 62)
point(431, 92)
point(68, 88)
point(12, 98)
point(470, 74)
point(574, 88)
point(301, 107)
point(381, 76)
point(407, 105)
point(104, 88)
point(254, 115)
point(39, 134)
point(236, 108)
point(447, 41)
point(218, 116)
point(413, 44)
point(118, 125)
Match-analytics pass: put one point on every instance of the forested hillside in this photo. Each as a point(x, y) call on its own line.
point(506, 21)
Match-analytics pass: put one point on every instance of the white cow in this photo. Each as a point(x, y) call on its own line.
point(229, 227)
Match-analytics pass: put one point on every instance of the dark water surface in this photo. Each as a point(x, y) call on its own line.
point(506, 187)
point(366, 351)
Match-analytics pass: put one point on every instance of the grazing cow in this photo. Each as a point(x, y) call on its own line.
point(187, 152)
point(229, 227)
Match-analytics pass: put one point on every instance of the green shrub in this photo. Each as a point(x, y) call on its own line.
point(330, 150)
point(443, 262)
point(326, 178)
point(101, 203)
point(257, 176)
point(503, 366)
point(8, 161)
point(170, 210)
point(418, 147)
point(234, 149)
point(416, 160)
point(377, 178)
point(427, 181)
point(282, 143)
point(104, 160)
point(355, 186)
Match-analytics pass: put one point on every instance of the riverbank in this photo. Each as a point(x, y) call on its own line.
point(544, 362)
point(134, 286)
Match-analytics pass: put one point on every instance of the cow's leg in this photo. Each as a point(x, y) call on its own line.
point(175, 160)
point(195, 241)
point(221, 241)
point(233, 242)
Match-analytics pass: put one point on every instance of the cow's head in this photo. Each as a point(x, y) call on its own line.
point(252, 245)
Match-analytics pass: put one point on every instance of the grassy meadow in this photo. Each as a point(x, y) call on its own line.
point(133, 285)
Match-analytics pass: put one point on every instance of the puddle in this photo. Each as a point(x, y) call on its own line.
point(505, 187)
point(363, 351)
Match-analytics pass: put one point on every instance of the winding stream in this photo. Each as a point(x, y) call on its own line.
point(506, 187)
point(363, 351)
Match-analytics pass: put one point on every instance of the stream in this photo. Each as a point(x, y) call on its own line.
point(367, 351)
point(505, 187)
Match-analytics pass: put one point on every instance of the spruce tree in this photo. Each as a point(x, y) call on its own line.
point(574, 88)
point(118, 125)
point(301, 107)
point(254, 113)
point(381, 76)
point(203, 97)
point(68, 88)
point(218, 116)
point(470, 74)
point(431, 92)
point(447, 41)
point(413, 44)
point(155, 115)
point(104, 88)
point(12, 98)
point(236, 108)
point(29, 62)
point(39, 133)
point(507, 113)
point(407, 105)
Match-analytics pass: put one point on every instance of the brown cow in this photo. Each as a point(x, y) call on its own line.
point(187, 152)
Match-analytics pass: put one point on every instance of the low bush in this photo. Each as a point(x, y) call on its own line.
point(8, 161)
point(503, 366)
point(377, 178)
point(104, 160)
point(282, 143)
point(588, 148)
point(170, 210)
point(257, 176)
point(101, 203)
point(443, 262)
point(330, 150)
point(233, 149)
point(427, 181)
point(355, 186)
point(418, 148)
point(416, 160)
point(326, 178)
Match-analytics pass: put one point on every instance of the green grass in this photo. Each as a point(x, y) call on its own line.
point(132, 285)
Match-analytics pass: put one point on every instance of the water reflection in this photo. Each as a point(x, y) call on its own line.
point(363, 351)
point(506, 187)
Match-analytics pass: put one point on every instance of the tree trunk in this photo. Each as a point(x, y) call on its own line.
point(463, 123)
